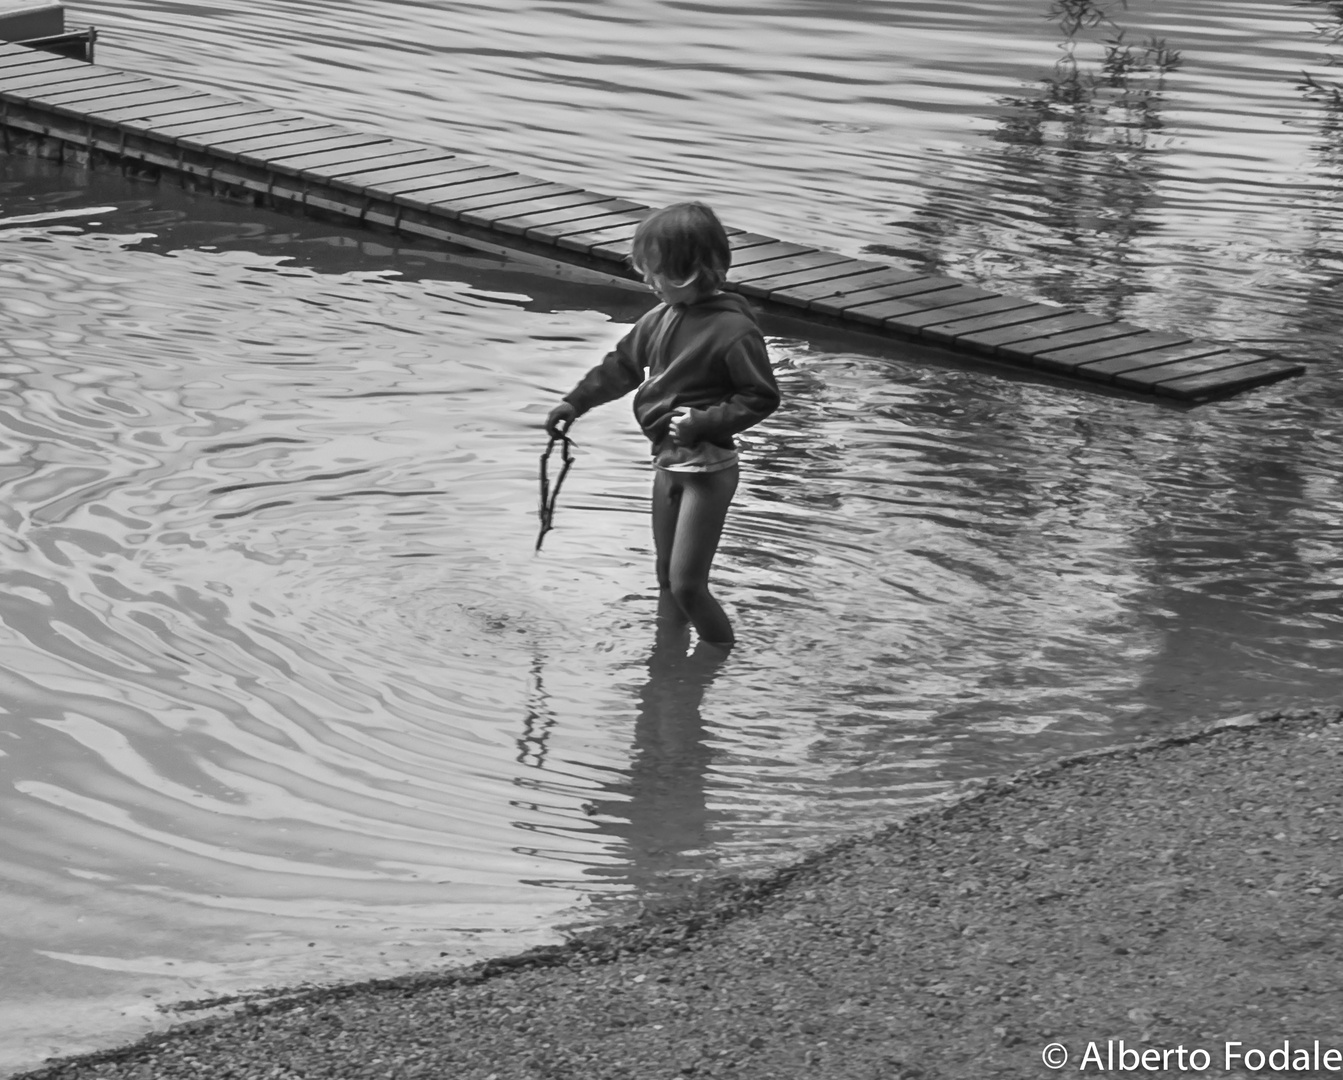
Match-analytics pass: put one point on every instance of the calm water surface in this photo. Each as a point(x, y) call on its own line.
point(286, 694)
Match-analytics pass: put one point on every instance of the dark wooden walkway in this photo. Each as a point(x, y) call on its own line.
point(85, 114)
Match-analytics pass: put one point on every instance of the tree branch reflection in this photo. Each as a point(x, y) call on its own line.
point(1081, 148)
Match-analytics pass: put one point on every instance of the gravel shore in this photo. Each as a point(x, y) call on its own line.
point(1183, 896)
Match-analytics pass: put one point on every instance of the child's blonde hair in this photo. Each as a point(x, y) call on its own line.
point(684, 243)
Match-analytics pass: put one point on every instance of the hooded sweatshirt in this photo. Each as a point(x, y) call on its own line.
point(706, 358)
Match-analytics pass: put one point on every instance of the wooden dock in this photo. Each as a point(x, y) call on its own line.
point(88, 114)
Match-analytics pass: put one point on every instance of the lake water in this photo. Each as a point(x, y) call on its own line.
point(287, 695)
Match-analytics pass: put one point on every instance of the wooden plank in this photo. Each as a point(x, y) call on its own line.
point(48, 62)
point(98, 91)
point(958, 327)
point(52, 98)
point(368, 179)
point(177, 129)
point(740, 241)
point(1229, 380)
point(1133, 362)
point(371, 176)
point(990, 340)
point(874, 286)
point(1147, 378)
point(12, 50)
point(774, 250)
point(263, 151)
point(587, 240)
point(440, 178)
point(523, 224)
point(542, 225)
point(578, 234)
point(292, 158)
point(898, 284)
point(612, 213)
point(32, 59)
point(842, 270)
point(71, 71)
point(313, 161)
point(543, 205)
point(224, 147)
point(616, 250)
point(991, 305)
point(261, 132)
point(413, 155)
point(150, 120)
point(135, 112)
point(488, 191)
point(499, 185)
point(487, 209)
point(30, 66)
point(621, 206)
point(155, 118)
point(1027, 351)
point(798, 289)
point(810, 262)
point(33, 86)
point(834, 276)
point(85, 102)
point(1066, 358)
point(892, 311)
point(265, 133)
point(561, 204)
point(322, 164)
point(227, 120)
point(9, 49)
point(866, 276)
point(316, 167)
point(739, 252)
point(1030, 349)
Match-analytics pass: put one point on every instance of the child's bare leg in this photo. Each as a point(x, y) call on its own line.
point(702, 511)
point(666, 507)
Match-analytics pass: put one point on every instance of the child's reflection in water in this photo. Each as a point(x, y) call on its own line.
point(666, 821)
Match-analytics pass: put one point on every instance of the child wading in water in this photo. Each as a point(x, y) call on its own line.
point(702, 372)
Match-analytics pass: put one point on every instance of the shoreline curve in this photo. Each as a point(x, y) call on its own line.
point(1166, 896)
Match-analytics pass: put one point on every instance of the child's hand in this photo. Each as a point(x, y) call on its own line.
point(680, 429)
point(561, 418)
